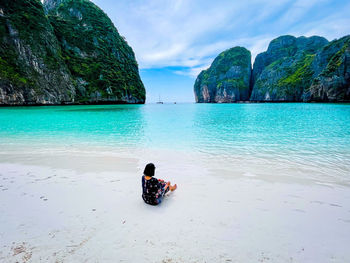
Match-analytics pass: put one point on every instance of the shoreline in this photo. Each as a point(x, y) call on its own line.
point(96, 158)
point(273, 102)
point(140, 103)
point(71, 104)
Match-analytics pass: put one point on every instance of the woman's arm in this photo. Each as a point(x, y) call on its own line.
point(162, 186)
point(163, 183)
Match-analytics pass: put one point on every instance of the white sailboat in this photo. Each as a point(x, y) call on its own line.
point(159, 101)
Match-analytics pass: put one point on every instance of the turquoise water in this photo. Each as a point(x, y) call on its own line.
point(318, 133)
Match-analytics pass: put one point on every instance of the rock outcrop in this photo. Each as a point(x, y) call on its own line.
point(227, 79)
point(101, 62)
point(74, 55)
point(32, 70)
point(284, 70)
point(332, 68)
point(291, 70)
point(51, 5)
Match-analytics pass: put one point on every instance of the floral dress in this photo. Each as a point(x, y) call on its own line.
point(153, 190)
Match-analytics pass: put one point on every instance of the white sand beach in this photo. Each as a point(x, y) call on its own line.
point(85, 206)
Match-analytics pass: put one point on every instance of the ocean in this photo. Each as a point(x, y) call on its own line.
point(309, 141)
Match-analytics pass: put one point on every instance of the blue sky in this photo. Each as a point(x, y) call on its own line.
point(175, 39)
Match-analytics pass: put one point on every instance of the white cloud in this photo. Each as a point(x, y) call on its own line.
point(297, 10)
point(174, 50)
point(190, 33)
point(192, 72)
point(332, 26)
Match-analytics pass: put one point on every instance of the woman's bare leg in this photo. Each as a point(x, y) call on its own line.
point(172, 187)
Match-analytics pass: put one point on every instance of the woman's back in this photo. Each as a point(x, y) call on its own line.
point(151, 190)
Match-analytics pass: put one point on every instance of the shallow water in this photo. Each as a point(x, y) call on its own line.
point(296, 139)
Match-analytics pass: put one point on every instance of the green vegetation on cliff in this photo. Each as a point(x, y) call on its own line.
point(236, 56)
point(285, 69)
point(74, 54)
point(336, 60)
point(25, 20)
point(30, 58)
point(332, 82)
point(298, 75)
point(11, 73)
point(95, 53)
point(227, 79)
point(291, 69)
point(298, 72)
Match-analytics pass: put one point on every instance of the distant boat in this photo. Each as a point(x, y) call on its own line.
point(159, 101)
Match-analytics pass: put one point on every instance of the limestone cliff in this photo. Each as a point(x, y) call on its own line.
point(292, 69)
point(74, 55)
point(32, 70)
point(227, 79)
point(332, 65)
point(283, 72)
point(101, 62)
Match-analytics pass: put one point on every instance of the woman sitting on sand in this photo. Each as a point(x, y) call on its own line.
point(154, 189)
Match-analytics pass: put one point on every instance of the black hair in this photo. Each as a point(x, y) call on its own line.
point(149, 169)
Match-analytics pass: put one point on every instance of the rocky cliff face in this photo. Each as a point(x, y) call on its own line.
point(31, 67)
point(51, 5)
point(227, 79)
point(101, 62)
point(332, 68)
point(75, 56)
point(292, 69)
point(284, 70)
